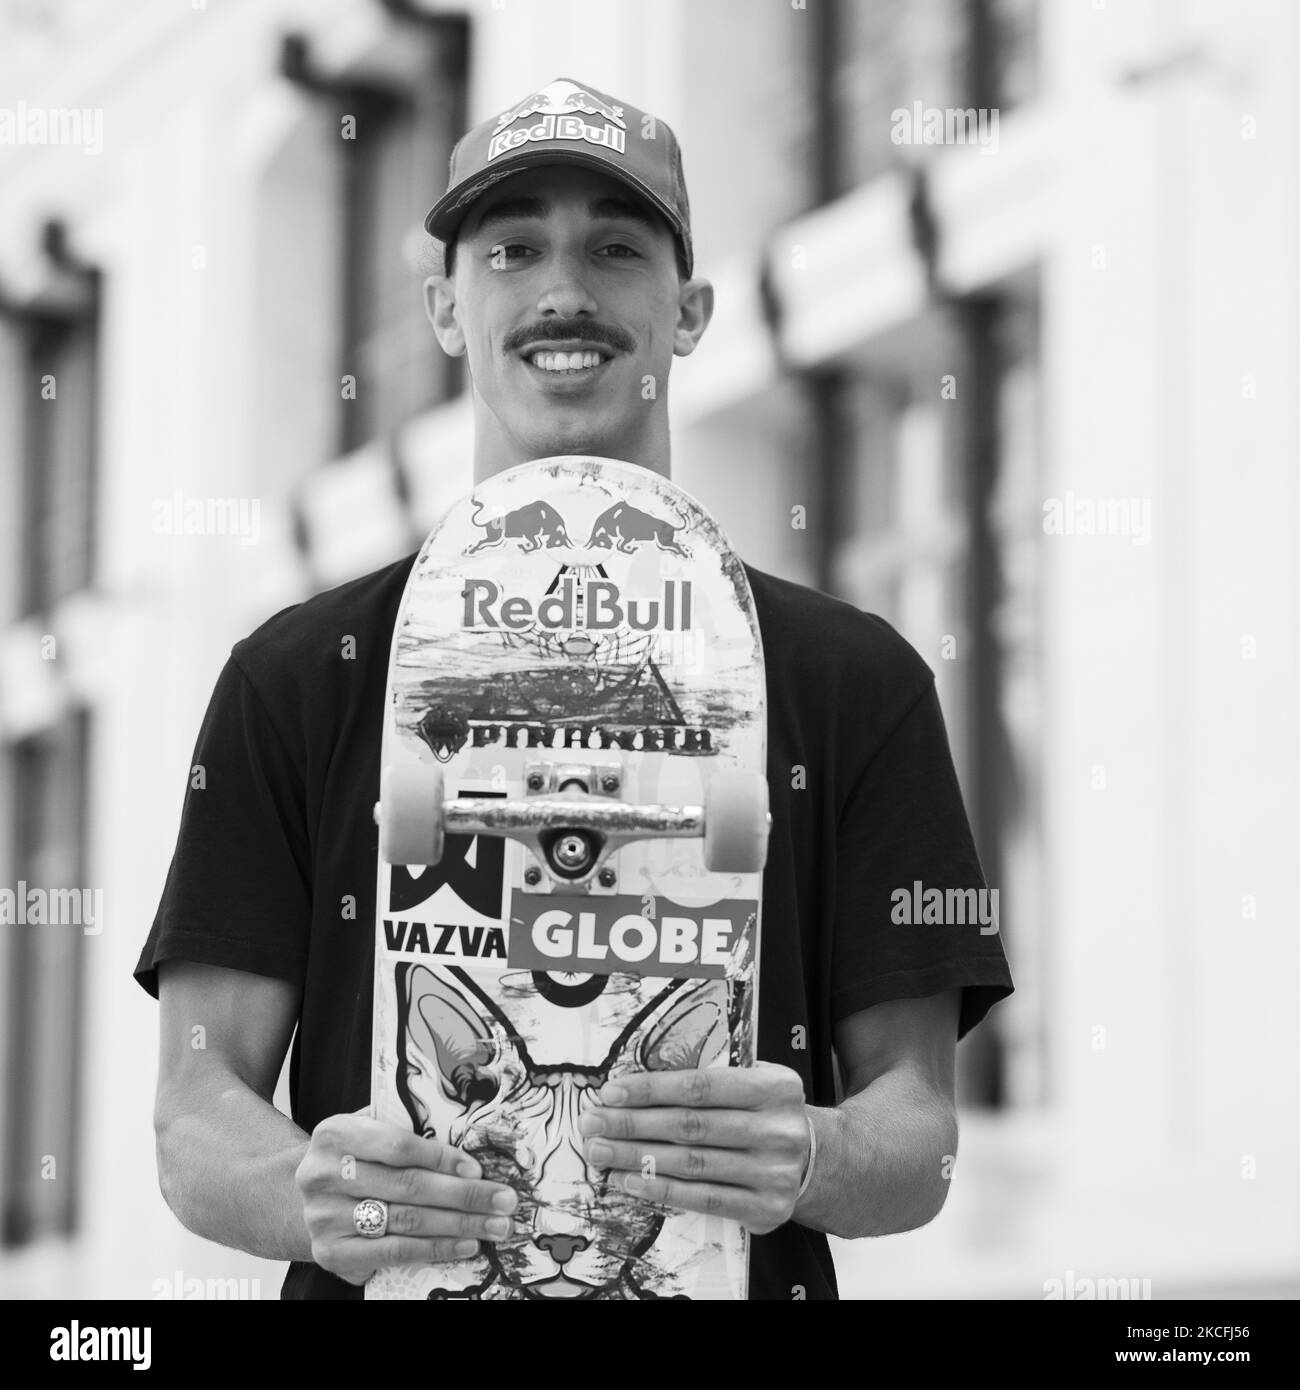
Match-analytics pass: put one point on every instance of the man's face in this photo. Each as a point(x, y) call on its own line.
point(567, 302)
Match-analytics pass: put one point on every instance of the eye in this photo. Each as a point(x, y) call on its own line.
point(510, 251)
point(626, 252)
point(471, 1084)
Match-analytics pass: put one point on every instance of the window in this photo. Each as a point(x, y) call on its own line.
point(895, 55)
point(396, 167)
point(927, 443)
point(58, 488)
point(44, 790)
point(396, 125)
point(945, 547)
point(44, 981)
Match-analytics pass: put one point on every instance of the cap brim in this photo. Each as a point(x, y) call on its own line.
point(454, 206)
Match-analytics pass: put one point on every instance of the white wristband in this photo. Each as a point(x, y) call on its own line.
point(812, 1157)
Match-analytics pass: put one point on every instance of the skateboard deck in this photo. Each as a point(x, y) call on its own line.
point(574, 728)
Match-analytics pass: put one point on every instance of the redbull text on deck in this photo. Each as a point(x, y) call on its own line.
point(604, 607)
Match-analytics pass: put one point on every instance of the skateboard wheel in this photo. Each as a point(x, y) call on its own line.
point(735, 823)
point(410, 814)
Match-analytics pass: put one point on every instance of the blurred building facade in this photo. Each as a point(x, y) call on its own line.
point(1010, 381)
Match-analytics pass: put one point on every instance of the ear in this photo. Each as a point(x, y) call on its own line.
point(443, 1024)
point(691, 1034)
point(694, 310)
point(440, 306)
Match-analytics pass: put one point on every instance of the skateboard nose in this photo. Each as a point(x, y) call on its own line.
point(562, 1248)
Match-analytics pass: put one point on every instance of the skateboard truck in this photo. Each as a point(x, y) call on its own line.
point(573, 819)
point(574, 853)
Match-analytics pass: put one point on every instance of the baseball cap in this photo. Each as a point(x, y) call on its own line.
point(568, 122)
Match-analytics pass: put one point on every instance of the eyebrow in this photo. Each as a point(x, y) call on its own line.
point(526, 209)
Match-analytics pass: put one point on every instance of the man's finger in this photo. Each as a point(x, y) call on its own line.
point(431, 1223)
point(424, 1187)
point(711, 1199)
point(719, 1129)
point(722, 1167)
point(739, 1088)
point(371, 1255)
point(361, 1138)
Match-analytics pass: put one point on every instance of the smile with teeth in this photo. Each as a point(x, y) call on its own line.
point(566, 361)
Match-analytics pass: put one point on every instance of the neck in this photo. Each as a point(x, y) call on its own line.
point(495, 450)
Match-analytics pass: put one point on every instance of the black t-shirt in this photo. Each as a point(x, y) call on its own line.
point(274, 870)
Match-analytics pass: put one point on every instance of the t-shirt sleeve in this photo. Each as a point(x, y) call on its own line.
point(238, 891)
point(903, 833)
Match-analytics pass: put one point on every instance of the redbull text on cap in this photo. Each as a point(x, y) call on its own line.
point(558, 128)
point(559, 105)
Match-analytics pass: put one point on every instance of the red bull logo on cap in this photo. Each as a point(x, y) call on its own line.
point(559, 106)
point(582, 100)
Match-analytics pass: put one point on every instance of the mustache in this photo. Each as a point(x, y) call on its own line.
point(559, 330)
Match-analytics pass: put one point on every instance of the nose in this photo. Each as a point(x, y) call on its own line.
point(566, 293)
point(562, 1248)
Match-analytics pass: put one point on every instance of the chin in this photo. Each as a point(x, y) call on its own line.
point(572, 441)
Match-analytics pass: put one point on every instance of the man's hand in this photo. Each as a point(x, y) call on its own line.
point(729, 1142)
point(438, 1206)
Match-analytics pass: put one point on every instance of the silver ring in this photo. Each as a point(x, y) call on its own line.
point(370, 1217)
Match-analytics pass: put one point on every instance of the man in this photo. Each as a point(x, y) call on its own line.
point(569, 287)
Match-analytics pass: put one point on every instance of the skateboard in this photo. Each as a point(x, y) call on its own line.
point(573, 821)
